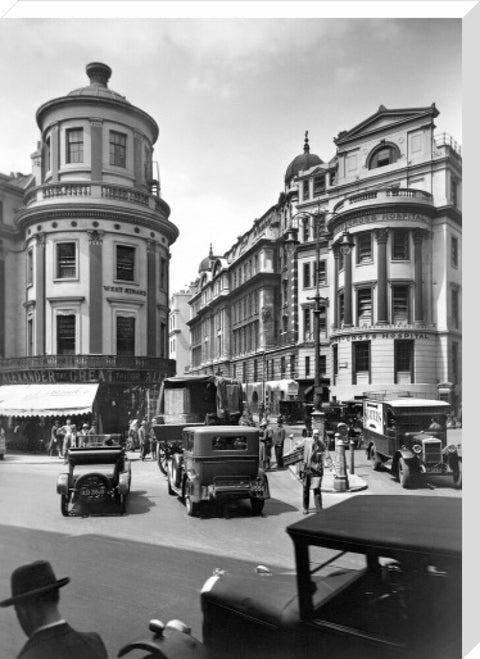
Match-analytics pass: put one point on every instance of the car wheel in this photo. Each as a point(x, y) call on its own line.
point(162, 460)
point(122, 499)
point(405, 475)
point(376, 460)
point(457, 478)
point(191, 506)
point(64, 498)
point(257, 505)
point(169, 485)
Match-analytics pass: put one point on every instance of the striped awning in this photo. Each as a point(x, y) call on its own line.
point(46, 399)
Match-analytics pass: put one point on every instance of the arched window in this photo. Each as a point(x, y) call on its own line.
point(383, 155)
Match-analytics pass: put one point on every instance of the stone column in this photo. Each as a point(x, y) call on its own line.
point(96, 139)
point(95, 239)
point(418, 236)
point(40, 294)
point(137, 160)
point(382, 290)
point(54, 152)
point(336, 257)
point(151, 299)
point(347, 291)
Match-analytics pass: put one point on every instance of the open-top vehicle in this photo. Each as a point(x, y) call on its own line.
point(218, 463)
point(377, 577)
point(96, 477)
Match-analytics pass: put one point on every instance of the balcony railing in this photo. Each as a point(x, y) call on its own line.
point(92, 191)
point(69, 362)
point(385, 195)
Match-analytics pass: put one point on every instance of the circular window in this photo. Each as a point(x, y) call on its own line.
point(152, 235)
point(95, 223)
point(137, 230)
point(117, 226)
point(54, 225)
point(39, 227)
point(74, 224)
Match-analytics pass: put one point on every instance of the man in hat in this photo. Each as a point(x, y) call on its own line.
point(35, 597)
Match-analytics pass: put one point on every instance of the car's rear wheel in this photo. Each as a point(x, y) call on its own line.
point(170, 490)
point(257, 505)
point(162, 459)
point(122, 500)
point(190, 505)
point(405, 475)
point(64, 500)
point(457, 478)
point(376, 460)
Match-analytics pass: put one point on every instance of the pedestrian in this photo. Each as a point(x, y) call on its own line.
point(315, 458)
point(54, 444)
point(67, 433)
point(153, 443)
point(279, 441)
point(144, 440)
point(84, 436)
point(74, 440)
point(35, 596)
point(133, 434)
point(265, 444)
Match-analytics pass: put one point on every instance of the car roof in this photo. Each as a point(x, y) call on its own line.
point(387, 525)
point(411, 402)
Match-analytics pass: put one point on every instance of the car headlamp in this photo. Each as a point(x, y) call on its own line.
point(416, 448)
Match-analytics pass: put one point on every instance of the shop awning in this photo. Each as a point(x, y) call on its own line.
point(46, 399)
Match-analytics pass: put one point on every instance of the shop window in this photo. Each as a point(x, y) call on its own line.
point(125, 335)
point(118, 149)
point(66, 334)
point(360, 359)
point(66, 257)
point(306, 275)
point(318, 185)
point(364, 306)
point(364, 247)
point(454, 251)
point(74, 145)
point(30, 267)
point(383, 155)
point(403, 359)
point(125, 265)
point(400, 304)
point(400, 245)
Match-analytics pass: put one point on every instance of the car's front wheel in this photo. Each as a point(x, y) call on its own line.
point(64, 500)
point(457, 478)
point(257, 505)
point(405, 474)
point(162, 459)
point(190, 505)
point(376, 460)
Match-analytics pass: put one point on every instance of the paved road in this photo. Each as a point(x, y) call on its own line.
point(152, 561)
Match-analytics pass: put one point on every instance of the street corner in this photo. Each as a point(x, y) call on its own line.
point(352, 483)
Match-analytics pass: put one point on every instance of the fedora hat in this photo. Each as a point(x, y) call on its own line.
point(31, 580)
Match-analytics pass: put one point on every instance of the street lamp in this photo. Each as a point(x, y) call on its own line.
point(346, 243)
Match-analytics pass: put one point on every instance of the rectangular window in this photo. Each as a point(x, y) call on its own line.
point(282, 367)
point(322, 319)
point(454, 191)
point(307, 366)
point(292, 366)
point(125, 335)
point(364, 306)
point(335, 359)
point(255, 370)
point(74, 146)
point(360, 359)
point(323, 364)
point(306, 275)
point(66, 335)
point(306, 231)
point(244, 372)
point(29, 337)
point(454, 252)
point(47, 155)
point(66, 267)
point(307, 325)
point(306, 189)
point(341, 260)
point(318, 185)
point(455, 308)
point(403, 359)
point(163, 273)
point(341, 308)
point(364, 247)
point(400, 245)
point(163, 340)
point(30, 267)
point(118, 149)
point(322, 270)
point(125, 266)
point(400, 304)
point(454, 362)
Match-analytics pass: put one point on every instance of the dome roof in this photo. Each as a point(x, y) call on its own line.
point(99, 75)
point(206, 263)
point(304, 161)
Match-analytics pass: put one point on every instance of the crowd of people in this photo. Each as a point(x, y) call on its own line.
point(63, 437)
point(142, 436)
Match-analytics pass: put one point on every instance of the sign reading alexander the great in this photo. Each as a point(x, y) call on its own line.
point(55, 376)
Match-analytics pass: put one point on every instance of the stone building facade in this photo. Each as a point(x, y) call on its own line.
point(86, 249)
point(390, 309)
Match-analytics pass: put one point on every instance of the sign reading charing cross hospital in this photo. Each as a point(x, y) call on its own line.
point(381, 217)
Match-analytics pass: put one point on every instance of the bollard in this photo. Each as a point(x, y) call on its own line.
point(352, 457)
point(340, 481)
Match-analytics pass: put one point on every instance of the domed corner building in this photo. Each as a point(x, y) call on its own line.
point(91, 266)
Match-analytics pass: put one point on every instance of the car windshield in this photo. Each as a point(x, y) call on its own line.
point(230, 443)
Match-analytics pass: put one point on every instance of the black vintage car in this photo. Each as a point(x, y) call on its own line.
point(377, 577)
point(98, 478)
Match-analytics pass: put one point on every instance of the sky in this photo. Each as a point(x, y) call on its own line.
point(232, 97)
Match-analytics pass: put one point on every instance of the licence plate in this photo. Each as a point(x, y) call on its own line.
point(92, 492)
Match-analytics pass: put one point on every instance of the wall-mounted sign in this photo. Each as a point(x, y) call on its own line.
point(122, 289)
point(50, 376)
point(381, 217)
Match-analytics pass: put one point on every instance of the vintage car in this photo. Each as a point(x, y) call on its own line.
point(218, 463)
point(97, 478)
point(377, 577)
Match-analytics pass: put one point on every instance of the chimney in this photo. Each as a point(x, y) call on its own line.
point(98, 73)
